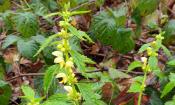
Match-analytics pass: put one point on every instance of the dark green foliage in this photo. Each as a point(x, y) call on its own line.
point(169, 31)
point(26, 23)
point(106, 28)
point(27, 48)
point(5, 93)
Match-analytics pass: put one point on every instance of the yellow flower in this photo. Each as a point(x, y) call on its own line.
point(69, 89)
point(69, 64)
point(57, 53)
point(59, 57)
point(62, 76)
point(58, 60)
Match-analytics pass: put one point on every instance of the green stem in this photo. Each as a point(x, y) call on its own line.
point(143, 88)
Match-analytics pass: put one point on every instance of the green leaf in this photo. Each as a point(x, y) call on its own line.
point(46, 43)
point(9, 40)
point(5, 93)
point(49, 76)
point(169, 29)
point(168, 88)
point(94, 102)
point(58, 99)
point(28, 92)
point(153, 62)
point(114, 74)
point(135, 87)
point(134, 65)
point(166, 51)
point(171, 62)
point(144, 6)
point(155, 99)
point(105, 23)
point(80, 34)
point(143, 48)
point(26, 23)
point(6, 18)
point(122, 40)
point(172, 77)
point(27, 48)
point(80, 61)
point(4, 5)
point(87, 92)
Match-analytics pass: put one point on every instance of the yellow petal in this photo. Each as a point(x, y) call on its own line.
point(63, 76)
point(58, 60)
point(57, 53)
point(69, 89)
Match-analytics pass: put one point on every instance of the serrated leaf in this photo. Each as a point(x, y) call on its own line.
point(171, 62)
point(87, 92)
point(117, 74)
point(166, 51)
point(5, 93)
point(105, 23)
point(169, 29)
point(49, 76)
point(27, 48)
point(9, 40)
point(28, 92)
point(58, 99)
point(46, 43)
point(145, 6)
point(122, 40)
point(134, 65)
point(168, 87)
point(26, 23)
point(80, 34)
point(153, 62)
point(6, 18)
point(80, 60)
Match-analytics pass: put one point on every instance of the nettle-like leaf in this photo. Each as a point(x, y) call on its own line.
point(122, 41)
point(26, 23)
point(89, 95)
point(46, 43)
point(6, 18)
point(5, 93)
point(80, 60)
point(104, 23)
point(117, 74)
point(27, 48)
point(49, 76)
point(169, 29)
point(58, 99)
point(107, 28)
point(9, 40)
point(168, 87)
point(79, 34)
point(144, 7)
